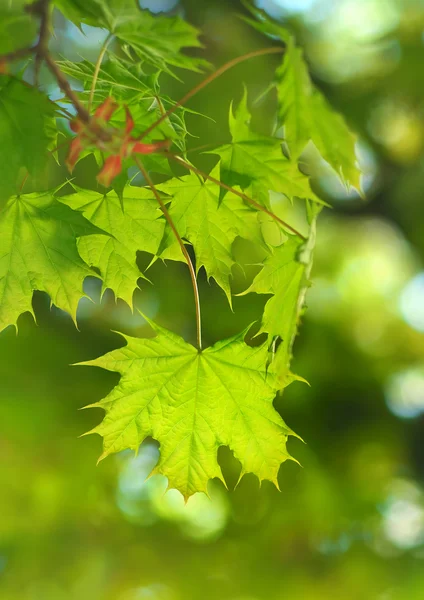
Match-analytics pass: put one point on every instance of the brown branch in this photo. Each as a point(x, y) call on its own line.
point(65, 86)
point(207, 80)
point(41, 9)
point(242, 195)
point(43, 38)
point(182, 246)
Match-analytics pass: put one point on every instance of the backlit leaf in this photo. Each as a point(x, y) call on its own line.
point(194, 402)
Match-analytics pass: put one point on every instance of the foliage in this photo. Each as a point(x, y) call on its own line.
point(191, 400)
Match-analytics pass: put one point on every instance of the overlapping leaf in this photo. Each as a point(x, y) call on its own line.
point(209, 225)
point(304, 111)
point(38, 251)
point(257, 162)
point(17, 28)
point(124, 79)
point(139, 227)
point(194, 402)
point(285, 275)
point(25, 115)
point(158, 40)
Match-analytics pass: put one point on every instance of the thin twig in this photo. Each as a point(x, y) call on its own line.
point(24, 180)
point(182, 246)
point(18, 54)
point(207, 80)
point(242, 195)
point(97, 69)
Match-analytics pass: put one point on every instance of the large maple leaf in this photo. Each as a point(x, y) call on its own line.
point(192, 402)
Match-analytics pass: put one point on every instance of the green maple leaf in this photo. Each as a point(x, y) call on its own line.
point(285, 275)
point(281, 276)
point(304, 111)
point(139, 227)
point(38, 251)
point(307, 115)
point(126, 80)
point(158, 40)
point(192, 403)
point(257, 162)
point(209, 225)
point(25, 115)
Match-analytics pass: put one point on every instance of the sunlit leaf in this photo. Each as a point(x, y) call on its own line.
point(138, 225)
point(158, 40)
point(38, 251)
point(303, 110)
point(194, 402)
point(257, 162)
point(209, 225)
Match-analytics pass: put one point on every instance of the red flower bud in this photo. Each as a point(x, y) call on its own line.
point(111, 168)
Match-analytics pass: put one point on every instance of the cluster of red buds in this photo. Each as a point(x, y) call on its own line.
point(119, 145)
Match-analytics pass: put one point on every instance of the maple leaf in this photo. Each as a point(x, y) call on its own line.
point(156, 39)
point(285, 275)
point(25, 115)
point(126, 78)
point(257, 162)
point(192, 402)
point(139, 227)
point(209, 225)
point(38, 251)
point(305, 112)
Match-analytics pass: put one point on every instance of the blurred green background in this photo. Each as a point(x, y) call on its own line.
point(350, 523)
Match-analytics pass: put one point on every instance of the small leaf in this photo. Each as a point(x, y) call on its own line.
point(285, 275)
point(209, 225)
point(157, 39)
point(303, 110)
point(257, 162)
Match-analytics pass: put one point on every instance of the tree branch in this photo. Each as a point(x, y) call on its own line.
point(182, 246)
point(41, 10)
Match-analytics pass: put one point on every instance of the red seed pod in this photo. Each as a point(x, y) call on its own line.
point(106, 109)
point(111, 168)
point(75, 150)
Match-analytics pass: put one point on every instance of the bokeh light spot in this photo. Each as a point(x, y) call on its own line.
point(412, 302)
point(405, 393)
point(403, 515)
